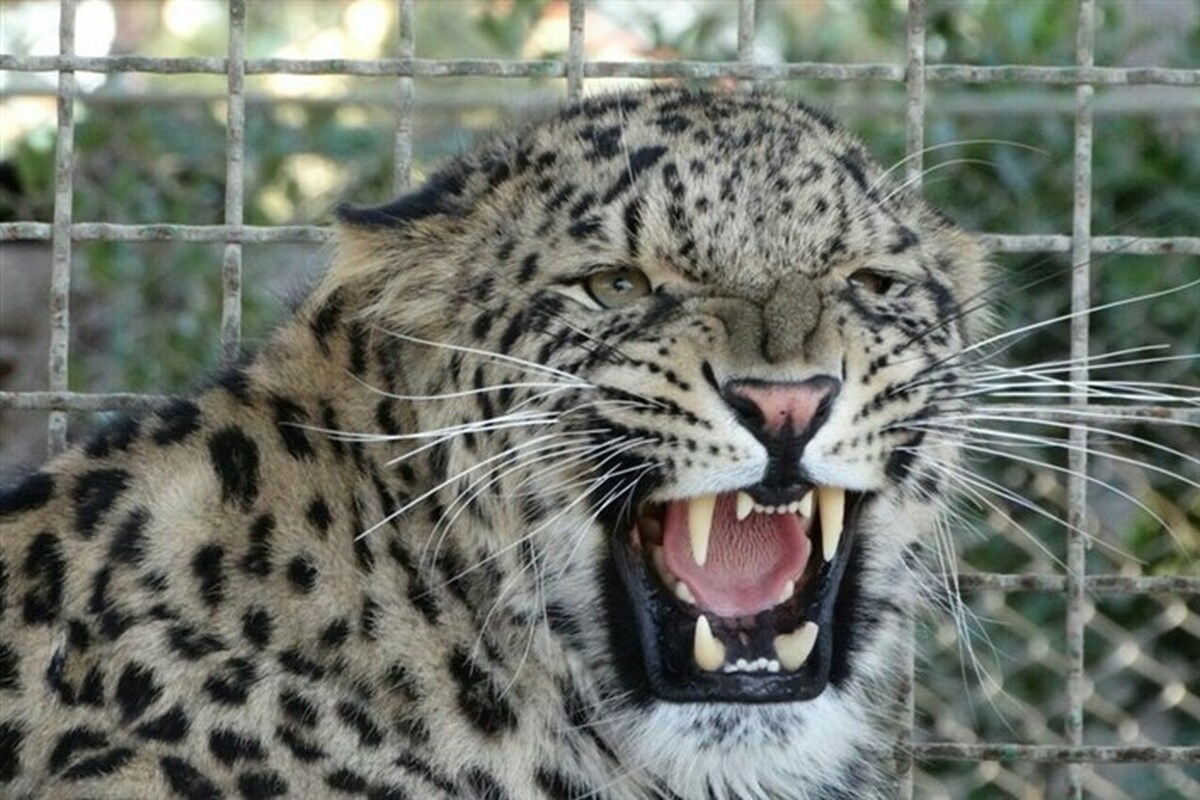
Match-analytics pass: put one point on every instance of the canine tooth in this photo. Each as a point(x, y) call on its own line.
point(832, 506)
point(684, 593)
point(706, 650)
point(789, 589)
point(805, 508)
point(793, 648)
point(745, 504)
point(700, 517)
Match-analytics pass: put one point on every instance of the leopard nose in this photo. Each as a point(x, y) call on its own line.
point(790, 410)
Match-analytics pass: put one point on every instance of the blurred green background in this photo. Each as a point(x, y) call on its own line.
point(151, 148)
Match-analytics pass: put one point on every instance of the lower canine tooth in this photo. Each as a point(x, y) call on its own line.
point(706, 650)
point(793, 648)
point(832, 507)
point(684, 593)
point(789, 589)
point(745, 504)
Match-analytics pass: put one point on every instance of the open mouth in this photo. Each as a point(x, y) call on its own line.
point(733, 597)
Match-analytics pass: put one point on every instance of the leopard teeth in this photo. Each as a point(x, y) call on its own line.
point(789, 589)
point(832, 506)
point(745, 504)
point(708, 653)
point(804, 506)
point(794, 648)
point(700, 520)
point(684, 593)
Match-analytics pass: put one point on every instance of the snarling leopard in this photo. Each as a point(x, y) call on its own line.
point(592, 468)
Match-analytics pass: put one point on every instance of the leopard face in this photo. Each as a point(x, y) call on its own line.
point(686, 335)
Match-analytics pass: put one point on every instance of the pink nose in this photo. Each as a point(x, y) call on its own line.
point(781, 409)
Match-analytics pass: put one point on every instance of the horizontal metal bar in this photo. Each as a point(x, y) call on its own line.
point(1108, 415)
point(1048, 753)
point(1060, 243)
point(1095, 584)
point(111, 232)
point(1166, 101)
point(80, 401)
point(434, 68)
point(107, 231)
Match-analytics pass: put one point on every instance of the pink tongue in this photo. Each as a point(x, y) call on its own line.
point(749, 562)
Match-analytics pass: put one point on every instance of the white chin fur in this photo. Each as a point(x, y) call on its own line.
point(671, 742)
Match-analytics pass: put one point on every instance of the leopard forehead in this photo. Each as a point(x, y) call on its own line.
point(730, 190)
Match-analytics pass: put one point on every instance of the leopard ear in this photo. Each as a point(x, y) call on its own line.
point(443, 194)
point(400, 260)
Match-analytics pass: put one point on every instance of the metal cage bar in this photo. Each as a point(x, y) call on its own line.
point(542, 68)
point(406, 99)
point(235, 152)
point(914, 170)
point(1077, 483)
point(60, 279)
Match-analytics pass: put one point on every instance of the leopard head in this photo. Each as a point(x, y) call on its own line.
point(687, 334)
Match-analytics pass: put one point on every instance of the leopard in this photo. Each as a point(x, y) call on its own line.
point(593, 467)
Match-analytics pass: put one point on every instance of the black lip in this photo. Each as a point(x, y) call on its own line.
point(670, 671)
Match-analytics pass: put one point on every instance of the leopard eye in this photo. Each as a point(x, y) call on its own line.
point(872, 282)
point(617, 287)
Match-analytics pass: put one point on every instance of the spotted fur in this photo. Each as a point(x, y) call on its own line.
point(374, 560)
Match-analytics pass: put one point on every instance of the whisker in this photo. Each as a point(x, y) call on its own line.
point(1064, 470)
point(956, 143)
point(487, 354)
point(999, 437)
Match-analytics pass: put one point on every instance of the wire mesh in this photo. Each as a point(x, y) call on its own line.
point(1084, 593)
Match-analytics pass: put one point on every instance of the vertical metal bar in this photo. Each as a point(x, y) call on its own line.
point(914, 154)
point(235, 145)
point(575, 55)
point(745, 37)
point(60, 265)
point(1081, 280)
point(405, 102)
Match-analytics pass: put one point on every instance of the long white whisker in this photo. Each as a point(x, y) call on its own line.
point(999, 437)
point(462, 501)
point(530, 365)
point(537, 440)
point(930, 170)
point(1024, 329)
point(957, 143)
point(1089, 478)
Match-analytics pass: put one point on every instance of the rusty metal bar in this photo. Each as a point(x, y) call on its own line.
point(531, 68)
point(406, 100)
point(745, 38)
point(235, 151)
point(113, 232)
point(1077, 463)
point(576, 65)
point(1053, 754)
point(64, 188)
point(914, 170)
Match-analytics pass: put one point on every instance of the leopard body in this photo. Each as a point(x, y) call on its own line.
point(374, 559)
